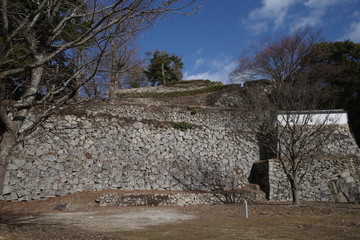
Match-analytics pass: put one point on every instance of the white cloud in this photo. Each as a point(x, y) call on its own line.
point(355, 15)
point(199, 62)
point(275, 14)
point(354, 32)
point(272, 12)
point(241, 78)
point(220, 70)
point(213, 76)
point(320, 3)
point(199, 51)
point(313, 19)
point(258, 27)
point(219, 63)
point(317, 9)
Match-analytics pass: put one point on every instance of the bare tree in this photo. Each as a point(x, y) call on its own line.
point(200, 175)
point(289, 127)
point(279, 60)
point(281, 113)
point(120, 58)
point(124, 61)
point(36, 35)
point(119, 61)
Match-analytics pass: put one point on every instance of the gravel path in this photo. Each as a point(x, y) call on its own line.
point(107, 221)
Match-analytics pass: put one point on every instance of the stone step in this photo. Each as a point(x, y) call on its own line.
point(178, 199)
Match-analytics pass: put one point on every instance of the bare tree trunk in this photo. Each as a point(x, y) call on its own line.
point(163, 73)
point(295, 191)
point(9, 128)
point(114, 78)
point(121, 58)
point(8, 142)
point(30, 94)
point(79, 75)
point(20, 27)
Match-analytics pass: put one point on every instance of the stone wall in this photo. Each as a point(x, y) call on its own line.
point(107, 148)
point(211, 117)
point(333, 180)
point(183, 198)
point(138, 147)
point(333, 177)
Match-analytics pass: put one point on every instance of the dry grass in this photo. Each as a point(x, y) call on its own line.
point(178, 94)
point(266, 221)
point(275, 221)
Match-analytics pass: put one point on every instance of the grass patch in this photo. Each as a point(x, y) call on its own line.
point(177, 94)
point(200, 82)
point(228, 223)
point(192, 110)
point(182, 126)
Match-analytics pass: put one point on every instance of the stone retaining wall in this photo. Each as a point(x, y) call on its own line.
point(340, 162)
point(327, 180)
point(159, 89)
point(137, 147)
point(333, 177)
point(210, 117)
point(99, 150)
point(178, 199)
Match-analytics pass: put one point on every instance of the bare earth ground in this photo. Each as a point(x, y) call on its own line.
point(77, 216)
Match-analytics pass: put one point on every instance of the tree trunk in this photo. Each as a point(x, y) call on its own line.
point(113, 81)
point(295, 191)
point(32, 89)
point(8, 142)
point(4, 161)
point(10, 127)
point(295, 195)
point(163, 73)
point(114, 70)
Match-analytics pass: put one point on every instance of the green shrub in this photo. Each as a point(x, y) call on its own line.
point(193, 110)
point(209, 89)
point(190, 82)
point(182, 126)
point(259, 82)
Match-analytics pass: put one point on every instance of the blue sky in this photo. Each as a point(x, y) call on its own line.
point(211, 41)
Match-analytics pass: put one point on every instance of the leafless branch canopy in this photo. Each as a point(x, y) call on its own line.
point(287, 90)
point(51, 48)
point(279, 60)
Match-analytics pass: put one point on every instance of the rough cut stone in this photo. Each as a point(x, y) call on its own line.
point(104, 150)
point(138, 125)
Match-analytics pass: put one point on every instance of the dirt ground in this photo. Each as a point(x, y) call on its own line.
point(78, 216)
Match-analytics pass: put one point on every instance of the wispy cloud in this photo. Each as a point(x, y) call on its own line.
point(356, 15)
point(199, 51)
point(220, 70)
point(271, 13)
point(276, 14)
point(198, 63)
point(320, 3)
point(315, 12)
point(353, 29)
point(354, 32)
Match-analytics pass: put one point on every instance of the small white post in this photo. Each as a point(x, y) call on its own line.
point(246, 212)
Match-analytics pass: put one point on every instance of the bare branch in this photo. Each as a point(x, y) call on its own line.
point(41, 48)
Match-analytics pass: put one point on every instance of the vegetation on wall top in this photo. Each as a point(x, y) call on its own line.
point(175, 94)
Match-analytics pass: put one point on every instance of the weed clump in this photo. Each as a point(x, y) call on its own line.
point(192, 110)
point(182, 126)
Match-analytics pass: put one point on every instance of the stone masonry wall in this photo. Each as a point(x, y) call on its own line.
point(334, 177)
point(136, 147)
point(110, 149)
point(210, 117)
point(327, 180)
